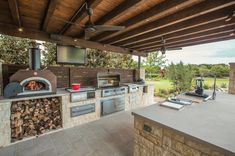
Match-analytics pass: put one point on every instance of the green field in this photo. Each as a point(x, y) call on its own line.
point(166, 84)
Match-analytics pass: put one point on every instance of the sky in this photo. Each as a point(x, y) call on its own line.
point(212, 53)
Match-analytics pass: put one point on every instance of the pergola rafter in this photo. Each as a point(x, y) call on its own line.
point(180, 22)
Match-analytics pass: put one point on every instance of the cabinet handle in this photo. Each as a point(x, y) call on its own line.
point(147, 128)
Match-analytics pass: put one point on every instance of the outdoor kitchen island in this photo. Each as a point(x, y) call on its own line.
point(19, 123)
point(201, 129)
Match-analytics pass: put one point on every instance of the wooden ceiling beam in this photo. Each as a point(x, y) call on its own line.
point(117, 11)
point(218, 31)
point(155, 12)
point(49, 12)
point(195, 43)
point(14, 8)
point(187, 24)
point(11, 30)
point(195, 40)
point(190, 31)
point(80, 14)
point(187, 34)
point(186, 14)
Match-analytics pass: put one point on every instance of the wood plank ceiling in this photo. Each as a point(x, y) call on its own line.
point(180, 22)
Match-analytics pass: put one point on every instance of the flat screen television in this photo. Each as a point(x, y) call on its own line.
point(70, 55)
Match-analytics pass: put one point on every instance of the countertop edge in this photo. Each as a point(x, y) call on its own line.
point(184, 133)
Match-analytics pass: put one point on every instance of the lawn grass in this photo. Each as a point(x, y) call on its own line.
point(166, 84)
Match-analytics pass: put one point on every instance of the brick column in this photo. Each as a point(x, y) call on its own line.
point(231, 88)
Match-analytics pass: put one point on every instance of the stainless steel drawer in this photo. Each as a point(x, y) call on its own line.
point(82, 110)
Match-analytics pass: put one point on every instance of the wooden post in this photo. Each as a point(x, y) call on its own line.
point(139, 62)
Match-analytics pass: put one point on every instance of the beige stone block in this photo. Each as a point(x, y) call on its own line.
point(216, 153)
point(157, 150)
point(157, 131)
point(138, 123)
point(169, 152)
point(178, 146)
point(152, 138)
point(166, 141)
point(188, 151)
point(145, 142)
point(178, 137)
point(5, 139)
point(198, 146)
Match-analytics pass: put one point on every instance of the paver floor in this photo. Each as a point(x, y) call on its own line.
point(110, 136)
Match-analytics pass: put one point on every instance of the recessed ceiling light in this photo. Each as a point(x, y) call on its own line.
point(147, 20)
point(75, 40)
point(20, 29)
point(232, 34)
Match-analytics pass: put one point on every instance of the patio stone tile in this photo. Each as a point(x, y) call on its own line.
point(48, 152)
point(25, 144)
point(81, 147)
point(61, 142)
point(8, 151)
point(43, 143)
point(110, 136)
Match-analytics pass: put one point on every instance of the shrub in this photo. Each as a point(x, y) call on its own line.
point(223, 85)
point(181, 76)
point(165, 93)
point(206, 86)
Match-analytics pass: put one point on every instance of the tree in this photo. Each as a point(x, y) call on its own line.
point(97, 58)
point(49, 54)
point(181, 76)
point(220, 70)
point(14, 50)
point(154, 62)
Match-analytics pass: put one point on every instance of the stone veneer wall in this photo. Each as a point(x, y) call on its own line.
point(163, 141)
point(143, 99)
point(231, 88)
point(5, 129)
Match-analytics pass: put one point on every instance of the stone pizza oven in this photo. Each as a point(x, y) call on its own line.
point(34, 81)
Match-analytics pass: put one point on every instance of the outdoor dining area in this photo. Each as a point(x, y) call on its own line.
point(69, 109)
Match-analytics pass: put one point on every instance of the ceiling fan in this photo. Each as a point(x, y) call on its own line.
point(163, 48)
point(90, 28)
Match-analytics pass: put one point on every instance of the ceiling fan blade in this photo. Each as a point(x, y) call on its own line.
point(170, 49)
point(108, 28)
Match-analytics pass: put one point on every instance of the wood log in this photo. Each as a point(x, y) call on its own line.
point(35, 117)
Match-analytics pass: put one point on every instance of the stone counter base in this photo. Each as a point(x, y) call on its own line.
point(153, 139)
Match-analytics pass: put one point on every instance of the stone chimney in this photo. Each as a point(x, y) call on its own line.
point(231, 88)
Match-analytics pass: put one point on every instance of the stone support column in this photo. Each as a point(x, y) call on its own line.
point(231, 88)
point(1, 78)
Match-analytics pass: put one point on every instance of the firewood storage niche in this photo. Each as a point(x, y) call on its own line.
point(34, 117)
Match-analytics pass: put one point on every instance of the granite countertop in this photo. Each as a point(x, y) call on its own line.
point(60, 92)
point(212, 121)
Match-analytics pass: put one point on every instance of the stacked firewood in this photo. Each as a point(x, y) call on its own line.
point(34, 117)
